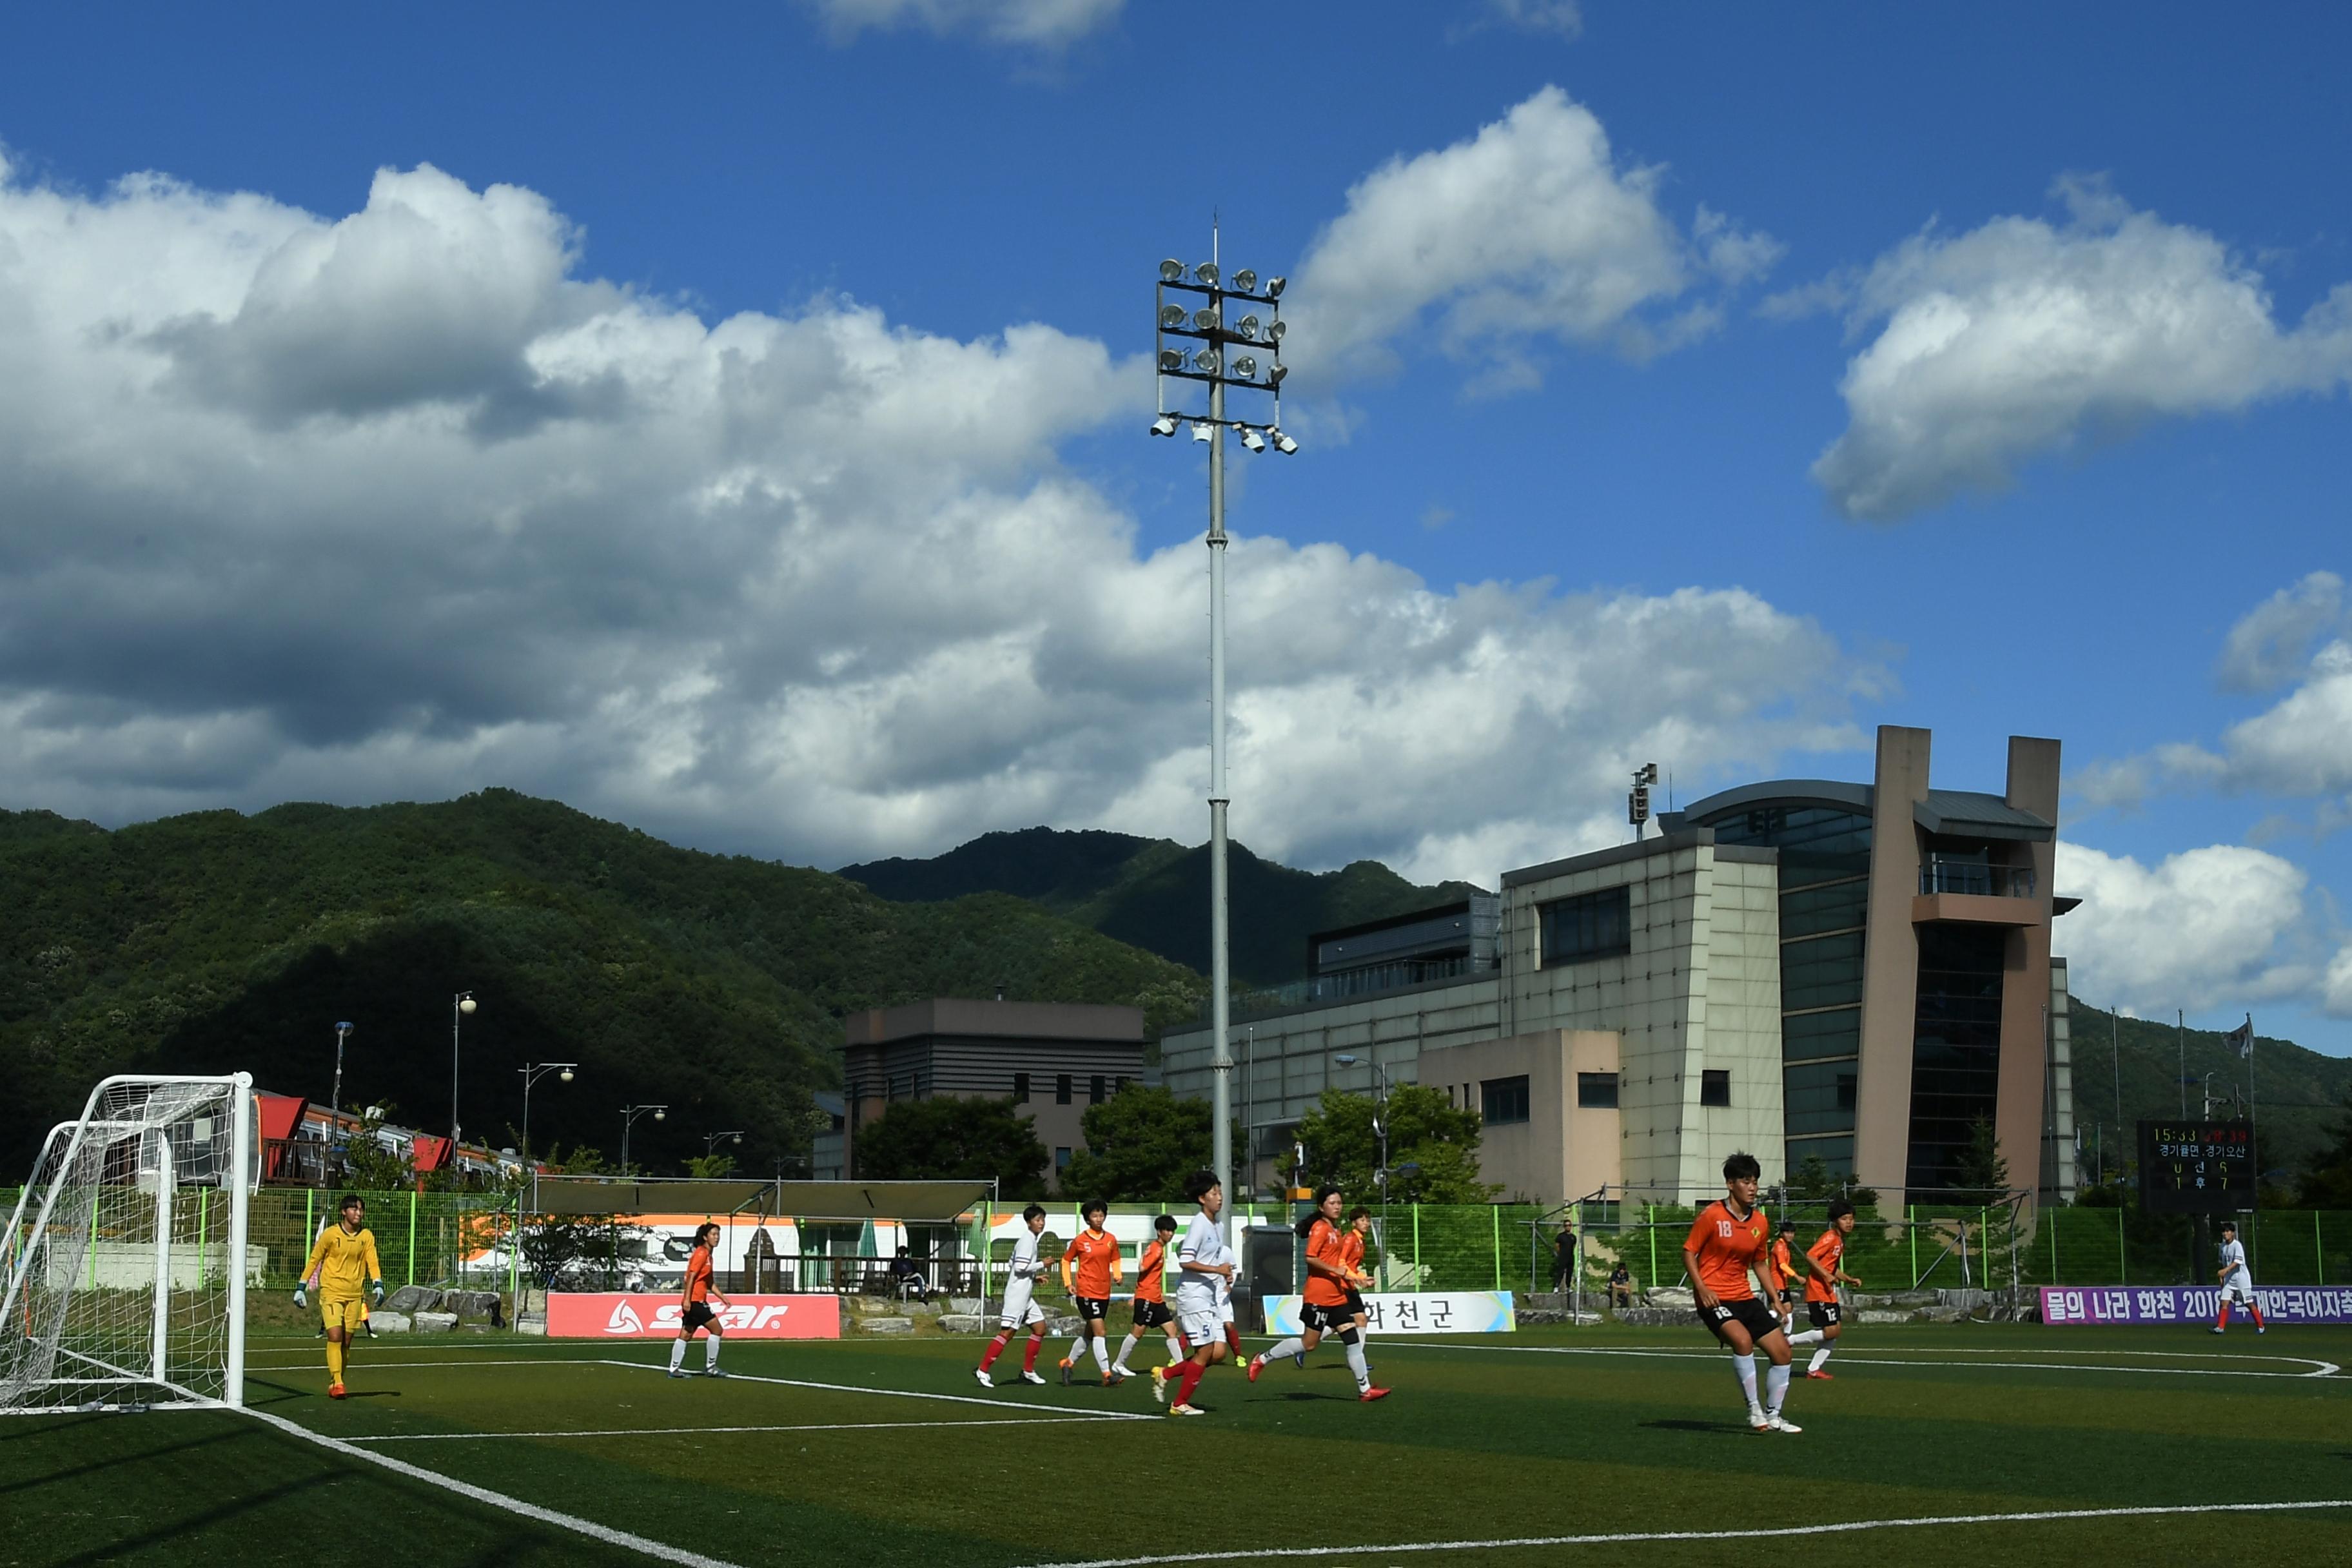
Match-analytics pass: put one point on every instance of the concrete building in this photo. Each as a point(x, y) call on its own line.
point(1798, 968)
point(1053, 1059)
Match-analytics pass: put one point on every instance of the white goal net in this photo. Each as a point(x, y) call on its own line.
point(123, 1270)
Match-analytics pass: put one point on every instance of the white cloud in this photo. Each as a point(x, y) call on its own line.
point(2205, 928)
point(1560, 18)
point(2301, 746)
point(399, 504)
point(1530, 230)
point(2335, 986)
point(2021, 336)
point(1047, 24)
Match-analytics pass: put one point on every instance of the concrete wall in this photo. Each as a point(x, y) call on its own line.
point(1890, 978)
point(1561, 1151)
point(2022, 1106)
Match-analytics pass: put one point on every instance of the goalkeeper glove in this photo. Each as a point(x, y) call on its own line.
point(299, 1298)
point(375, 1290)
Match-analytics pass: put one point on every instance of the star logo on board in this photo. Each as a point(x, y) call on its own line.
point(624, 1320)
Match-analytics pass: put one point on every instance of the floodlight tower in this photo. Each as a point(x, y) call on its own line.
point(1223, 354)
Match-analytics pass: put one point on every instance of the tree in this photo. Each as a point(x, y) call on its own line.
point(953, 1139)
point(1142, 1143)
point(586, 1247)
point(1814, 1181)
point(1424, 1132)
point(1981, 1168)
point(2327, 1179)
point(710, 1167)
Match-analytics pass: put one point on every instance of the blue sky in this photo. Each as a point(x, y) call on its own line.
point(764, 470)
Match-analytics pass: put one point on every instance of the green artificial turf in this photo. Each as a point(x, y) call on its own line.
point(1523, 1435)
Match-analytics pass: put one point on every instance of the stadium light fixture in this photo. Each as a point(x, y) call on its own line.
point(629, 1115)
point(461, 1007)
point(343, 1033)
point(1276, 285)
point(1263, 329)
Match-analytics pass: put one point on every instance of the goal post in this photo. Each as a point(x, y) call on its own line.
point(125, 1266)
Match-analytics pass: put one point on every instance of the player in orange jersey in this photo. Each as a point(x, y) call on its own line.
point(1090, 1272)
point(1326, 1306)
point(1728, 1241)
point(694, 1300)
point(1784, 1300)
point(1352, 1253)
point(1151, 1301)
point(1825, 1272)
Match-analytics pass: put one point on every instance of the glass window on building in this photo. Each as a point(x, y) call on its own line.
point(1596, 1091)
point(1061, 1161)
point(1714, 1086)
point(1955, 1047)
point(1502, 1100)
point(1021, 1088)
point(1819, 1097)
point(1062, 1088)
point(1095, 1090)
point(1592, 925)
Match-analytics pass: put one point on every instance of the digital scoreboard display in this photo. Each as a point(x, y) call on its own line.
point(2196, 1167)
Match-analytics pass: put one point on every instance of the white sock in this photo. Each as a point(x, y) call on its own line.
point(1744, 1368)
point(1292, 1346)
point(1102, 1354)
point(1809, 1337)
point(710, 1352)
point(676, 1354)
point(1126, 1348)
point(1356, 1364)
point(1776, 1388)
point(1821, 1356)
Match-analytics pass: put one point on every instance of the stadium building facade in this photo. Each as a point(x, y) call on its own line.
point(1798, 967)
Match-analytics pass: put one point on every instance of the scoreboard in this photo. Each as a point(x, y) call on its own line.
point(2196, 1167)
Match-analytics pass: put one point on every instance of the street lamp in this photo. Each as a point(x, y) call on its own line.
point(1194, 345)
point(1380, 1130)
point(532, 1073)
point(335, 1103)
point(629, 1114)
point(710, 1139)
point(461, 1007)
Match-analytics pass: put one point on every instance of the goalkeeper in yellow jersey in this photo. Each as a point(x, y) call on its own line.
point(344, 1271)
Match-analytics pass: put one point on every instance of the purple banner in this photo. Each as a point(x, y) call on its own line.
point(2072, 1304)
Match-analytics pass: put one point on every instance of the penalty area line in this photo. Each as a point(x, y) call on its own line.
point(1868, 1358)
point(1847, 1526)
point(700, 1431)
point(589, 1528)
point(901, 1394)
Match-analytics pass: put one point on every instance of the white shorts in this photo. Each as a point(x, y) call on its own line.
point(1204, 1327)
point(2241, 1288)
point(1021, 1306)
point(1225, 1310)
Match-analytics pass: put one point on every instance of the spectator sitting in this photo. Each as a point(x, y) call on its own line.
point(1620, 1286)
point(907, 1278)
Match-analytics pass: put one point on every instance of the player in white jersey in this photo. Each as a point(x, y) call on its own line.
point(2237, 1279)
point(1204, 1283)
point(1021, 1271)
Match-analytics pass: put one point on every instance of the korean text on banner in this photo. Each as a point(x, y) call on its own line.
point(621, 1315)
point(1435, 1312)
point(2069, 1305)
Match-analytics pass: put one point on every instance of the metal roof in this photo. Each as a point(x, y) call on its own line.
point(1835, 794)
point(1968, 813)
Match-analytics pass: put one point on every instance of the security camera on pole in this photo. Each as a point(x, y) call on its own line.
point(1196, 343)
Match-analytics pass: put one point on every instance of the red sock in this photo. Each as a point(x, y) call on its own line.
point(1233, 1340)
point(2223, 1320)
point(1029, 1356)
point(996, 1349)
point(2257, 1312)
point(1189, 1382)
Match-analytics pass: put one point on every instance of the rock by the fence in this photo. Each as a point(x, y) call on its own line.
point(887, 1325)
point(1658, 1316)
point(531, 1323)
point(1532, 1317)
point(1912, 1298)
point(1672, 1296)
point(470, 1303)
point(385, 1321)
point(965, 1304)
point(1062, 1328)
point(1879, 1315)
point(1940, 1315)
point(434, 1322)
point(961, 1322)
point(1966, 1300)
point(414, 1299)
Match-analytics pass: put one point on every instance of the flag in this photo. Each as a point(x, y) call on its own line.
point(2242, 1040)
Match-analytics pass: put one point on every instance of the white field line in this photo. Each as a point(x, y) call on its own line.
point(901, 1393)
point(365, 1363)
point(1632, 1537)
point(499, 1501)
point(698, 1431)
point(1862, 1358)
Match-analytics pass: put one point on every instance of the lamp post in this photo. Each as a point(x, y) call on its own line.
point(1380, 1130)
point(460, 1006)
point(532, 1073)
point(1196, 343)
point(629, 1114)
point(710, 1139)
point(334, 1103)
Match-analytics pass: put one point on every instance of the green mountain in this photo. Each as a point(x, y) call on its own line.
point(2298, 1093)
point(711, 983)
point(1154, 894)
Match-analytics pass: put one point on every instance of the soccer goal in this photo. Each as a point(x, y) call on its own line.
point(126, 1261)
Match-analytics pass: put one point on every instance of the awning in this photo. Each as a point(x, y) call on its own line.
point(858, 1201)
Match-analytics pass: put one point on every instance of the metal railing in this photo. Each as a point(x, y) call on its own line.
point(1941, 876)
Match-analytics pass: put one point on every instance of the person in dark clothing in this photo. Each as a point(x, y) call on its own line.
point(1563, 1258)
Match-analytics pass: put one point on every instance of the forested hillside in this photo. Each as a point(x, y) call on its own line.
point(714, 985)
point(1154, 893)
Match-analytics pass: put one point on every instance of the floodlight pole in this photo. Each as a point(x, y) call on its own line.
point(1221, 1060)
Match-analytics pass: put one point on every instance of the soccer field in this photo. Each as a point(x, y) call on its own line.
point(1548, 1446)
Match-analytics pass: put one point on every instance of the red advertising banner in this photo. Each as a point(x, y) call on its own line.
point(625, 1315)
